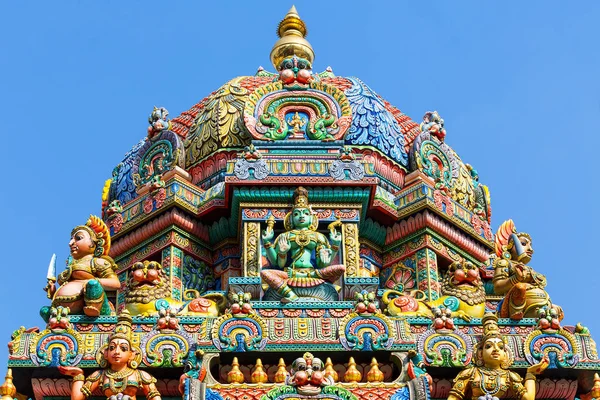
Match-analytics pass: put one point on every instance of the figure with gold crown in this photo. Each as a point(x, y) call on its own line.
point(90, 272)
point(490, 378)
point(119, 379)
point(302, 255)
point(521, 285)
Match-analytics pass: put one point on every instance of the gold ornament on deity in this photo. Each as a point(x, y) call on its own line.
point(302, 239)
point(300, 201)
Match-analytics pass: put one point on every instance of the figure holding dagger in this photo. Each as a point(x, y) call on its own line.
point(88, 275)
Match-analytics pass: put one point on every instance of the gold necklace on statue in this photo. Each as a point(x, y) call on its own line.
point(118, 376)
point(302, 239)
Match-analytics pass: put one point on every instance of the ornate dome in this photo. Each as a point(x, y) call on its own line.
point(295, 107)
point(340, 108)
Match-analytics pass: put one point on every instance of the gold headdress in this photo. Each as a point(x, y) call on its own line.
point(123, 327)
point(491, 331)
point(122, 330)
point(300, 201)
point(98, 232)
point(504, 244)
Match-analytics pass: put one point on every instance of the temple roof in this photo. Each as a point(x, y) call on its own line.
point(216, 123)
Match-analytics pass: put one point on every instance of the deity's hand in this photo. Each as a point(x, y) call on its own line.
point(283, 244)
point(540, 367)
point(50, 288)
point(325, 255)
point(70, 371)
point(334, 236)
point(268, 234)
point(519, 273)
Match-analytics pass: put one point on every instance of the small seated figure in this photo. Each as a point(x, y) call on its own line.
point(490, 378)
point(90, 272)
point(307, 270)
point(521, 285)
point(158, 121)
point(434, 124)
point(120, 379)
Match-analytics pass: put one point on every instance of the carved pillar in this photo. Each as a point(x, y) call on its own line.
point(350, 252)
point(427, 274)
point(171, 263)
point(194, 390)
point(370, 260)
point(227, 264)
point(251, 256)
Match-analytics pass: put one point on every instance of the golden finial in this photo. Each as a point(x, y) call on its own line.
point(8, 390)
point(281, 373)
point(374, 374)
point(235, 375)
point(291, 31)
point(259, 375)
point(352, 374)
point(329, 371)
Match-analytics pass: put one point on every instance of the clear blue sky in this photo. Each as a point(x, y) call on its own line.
point(516, 82)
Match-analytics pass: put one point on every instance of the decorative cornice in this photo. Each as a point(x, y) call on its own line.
point(151, 228)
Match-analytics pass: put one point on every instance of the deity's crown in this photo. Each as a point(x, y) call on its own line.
point(99, 233)
point(490, 326)
point(123, 328)
point(301, 198)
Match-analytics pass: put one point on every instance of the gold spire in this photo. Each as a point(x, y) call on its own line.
point(8, 390)
point(291, 31)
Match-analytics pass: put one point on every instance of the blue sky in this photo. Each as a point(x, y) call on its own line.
point(516, 82)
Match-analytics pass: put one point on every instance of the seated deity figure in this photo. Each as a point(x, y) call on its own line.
point(120, 379)
point(303, 256)
point(521, 285)
point(89, 273)
point(490, 378)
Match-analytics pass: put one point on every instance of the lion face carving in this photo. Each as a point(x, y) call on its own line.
point(147, 282)
point(464, 282)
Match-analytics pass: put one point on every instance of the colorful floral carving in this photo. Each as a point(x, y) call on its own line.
point(367, 333)
point(239, 334)
point(166, 349)
point(445, 349)
point(319, 113)
point(560, 348)
point(51, 349)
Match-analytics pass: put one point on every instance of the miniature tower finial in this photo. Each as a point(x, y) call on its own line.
point(291, 31)
point(8, 389)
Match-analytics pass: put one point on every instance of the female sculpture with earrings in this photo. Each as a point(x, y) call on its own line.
point(490, 378)
point(303, 255)
point(119, 379)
